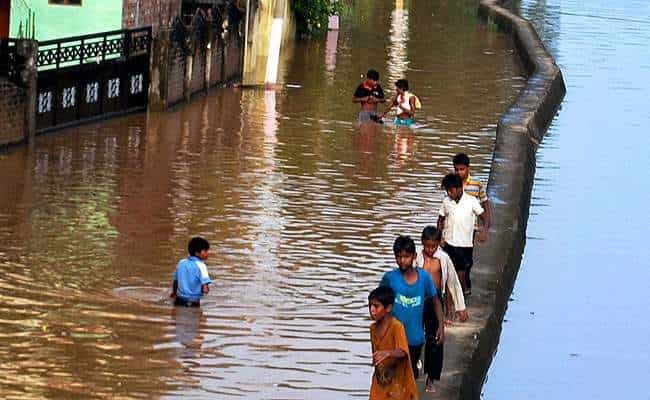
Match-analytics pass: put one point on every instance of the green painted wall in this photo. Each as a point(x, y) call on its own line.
point(57, 21)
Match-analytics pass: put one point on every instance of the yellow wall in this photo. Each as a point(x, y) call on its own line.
point(257, 46)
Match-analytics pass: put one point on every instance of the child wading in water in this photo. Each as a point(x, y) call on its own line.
point(369, 93)
point(438, 264)
point(392, 378)
point(191, 277)
point(405, 103)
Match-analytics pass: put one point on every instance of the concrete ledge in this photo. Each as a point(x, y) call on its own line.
point(520, 129)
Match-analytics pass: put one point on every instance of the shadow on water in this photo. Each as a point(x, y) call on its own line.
point(300, 204)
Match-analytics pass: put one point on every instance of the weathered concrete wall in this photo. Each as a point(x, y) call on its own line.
point(18, 94)
point(153, 13)
point(12, 112)
point(183, 67)
point(472, 345)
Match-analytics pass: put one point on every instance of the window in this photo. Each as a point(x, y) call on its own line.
point(65, 2)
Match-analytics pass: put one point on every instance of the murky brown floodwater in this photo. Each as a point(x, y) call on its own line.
point(577, 324)
point(301, 207)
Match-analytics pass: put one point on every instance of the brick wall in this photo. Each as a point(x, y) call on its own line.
point(149, 13)
point(12, 112)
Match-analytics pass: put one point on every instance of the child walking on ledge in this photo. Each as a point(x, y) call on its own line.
point(392, 378)
point(412, 286)
point(456, 220)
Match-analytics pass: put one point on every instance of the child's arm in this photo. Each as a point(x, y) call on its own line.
point(487, 220)
point(441, 223)
point(174, 289)
point(393, 103)
point(380, 356)
point(205, 289)
point(440, 333)
point(356, 99)
point(456, 291)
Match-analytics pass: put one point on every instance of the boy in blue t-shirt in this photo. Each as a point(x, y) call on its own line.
point(191, 277)
point(412, 286)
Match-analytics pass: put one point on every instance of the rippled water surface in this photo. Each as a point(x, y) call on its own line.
point(577, 325)
point(300, 205)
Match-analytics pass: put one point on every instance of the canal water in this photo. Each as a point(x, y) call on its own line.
point(577, 325)
point(300, 205)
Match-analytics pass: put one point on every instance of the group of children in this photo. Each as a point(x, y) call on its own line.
point(427, 289)
point(369, 94)
point(413, 301)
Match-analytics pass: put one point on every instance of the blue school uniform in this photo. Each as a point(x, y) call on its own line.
point(191, 274)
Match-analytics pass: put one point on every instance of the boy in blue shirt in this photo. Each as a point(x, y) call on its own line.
point(412, 286)
point(191, 277)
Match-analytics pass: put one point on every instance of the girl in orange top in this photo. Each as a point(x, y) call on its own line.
point(393, 377)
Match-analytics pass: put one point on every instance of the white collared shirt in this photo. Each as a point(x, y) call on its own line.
point(460, 218)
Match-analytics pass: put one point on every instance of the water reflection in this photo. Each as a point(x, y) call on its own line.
point(398, 62)
point(299, 203)
point(187, 323)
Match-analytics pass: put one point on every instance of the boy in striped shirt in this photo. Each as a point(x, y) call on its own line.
point(473, 188)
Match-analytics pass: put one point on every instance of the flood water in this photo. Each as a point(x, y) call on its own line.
point(301, 207)
point(577, 325)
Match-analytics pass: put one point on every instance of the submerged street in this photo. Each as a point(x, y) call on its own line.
point(301, 207)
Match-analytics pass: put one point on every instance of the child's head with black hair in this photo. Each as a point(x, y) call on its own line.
point(198, 247)
point(372, 75)
point(404, 250)
point(430, 240)
point(380, 302)
point(402, 85)
point(461, 165)
point(453, 185)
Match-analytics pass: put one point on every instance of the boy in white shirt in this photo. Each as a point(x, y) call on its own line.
point(456, 219)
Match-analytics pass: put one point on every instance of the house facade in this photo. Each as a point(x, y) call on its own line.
point(53, 19)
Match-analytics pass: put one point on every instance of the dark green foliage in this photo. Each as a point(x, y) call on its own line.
point(312, 15)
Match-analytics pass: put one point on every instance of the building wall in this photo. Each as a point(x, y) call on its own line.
point(54, 21)
point(154, 13)
point(13, 103)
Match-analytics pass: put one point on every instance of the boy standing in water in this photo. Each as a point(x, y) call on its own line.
point(404, 102)
point(369, 93)
point(191, 277)
point(473, 188)
point(437, 263)
point(392, 378)
point(456, 220)
point(412, 286)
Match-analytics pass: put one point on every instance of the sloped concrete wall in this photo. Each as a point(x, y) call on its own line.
point(519, 131)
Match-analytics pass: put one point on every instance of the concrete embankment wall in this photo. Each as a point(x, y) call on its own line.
point(519, 132)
